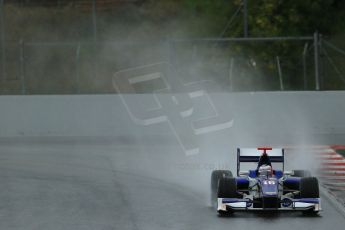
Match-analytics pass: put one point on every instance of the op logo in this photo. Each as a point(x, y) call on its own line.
point(186, 107)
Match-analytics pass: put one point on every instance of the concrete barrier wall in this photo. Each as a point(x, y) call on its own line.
point(264, 113)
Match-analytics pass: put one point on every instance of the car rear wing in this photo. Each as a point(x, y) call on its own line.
point(253, 155)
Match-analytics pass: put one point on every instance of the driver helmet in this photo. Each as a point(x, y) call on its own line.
point(265, 170)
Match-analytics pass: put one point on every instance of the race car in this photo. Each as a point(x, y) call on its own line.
point(264, 188)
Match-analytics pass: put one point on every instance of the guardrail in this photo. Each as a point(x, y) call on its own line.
point(83, 4)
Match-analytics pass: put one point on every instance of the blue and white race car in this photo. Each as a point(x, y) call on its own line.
point(264, 188)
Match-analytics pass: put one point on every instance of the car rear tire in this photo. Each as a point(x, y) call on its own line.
point(309, 188)
point(224, 213)
point(310, 212)
point(291, 186)
point(301, 173)
point(215, 177)
point(227, 188)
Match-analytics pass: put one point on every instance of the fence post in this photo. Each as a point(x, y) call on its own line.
point(194, 54)
point(22, 66)
point(304, 57)
point(230, 74)
point(316, 60)
point(280, 74)
point(171, 52)
point(95, 38)
point(94, 20)
point(245, 18)
point(77, 75)
point(321, 67)
point(3, 47)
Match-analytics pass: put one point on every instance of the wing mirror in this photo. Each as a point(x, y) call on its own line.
point(244, 173)
point(288, 173)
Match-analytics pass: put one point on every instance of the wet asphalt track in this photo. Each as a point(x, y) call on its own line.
point(103, 185)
